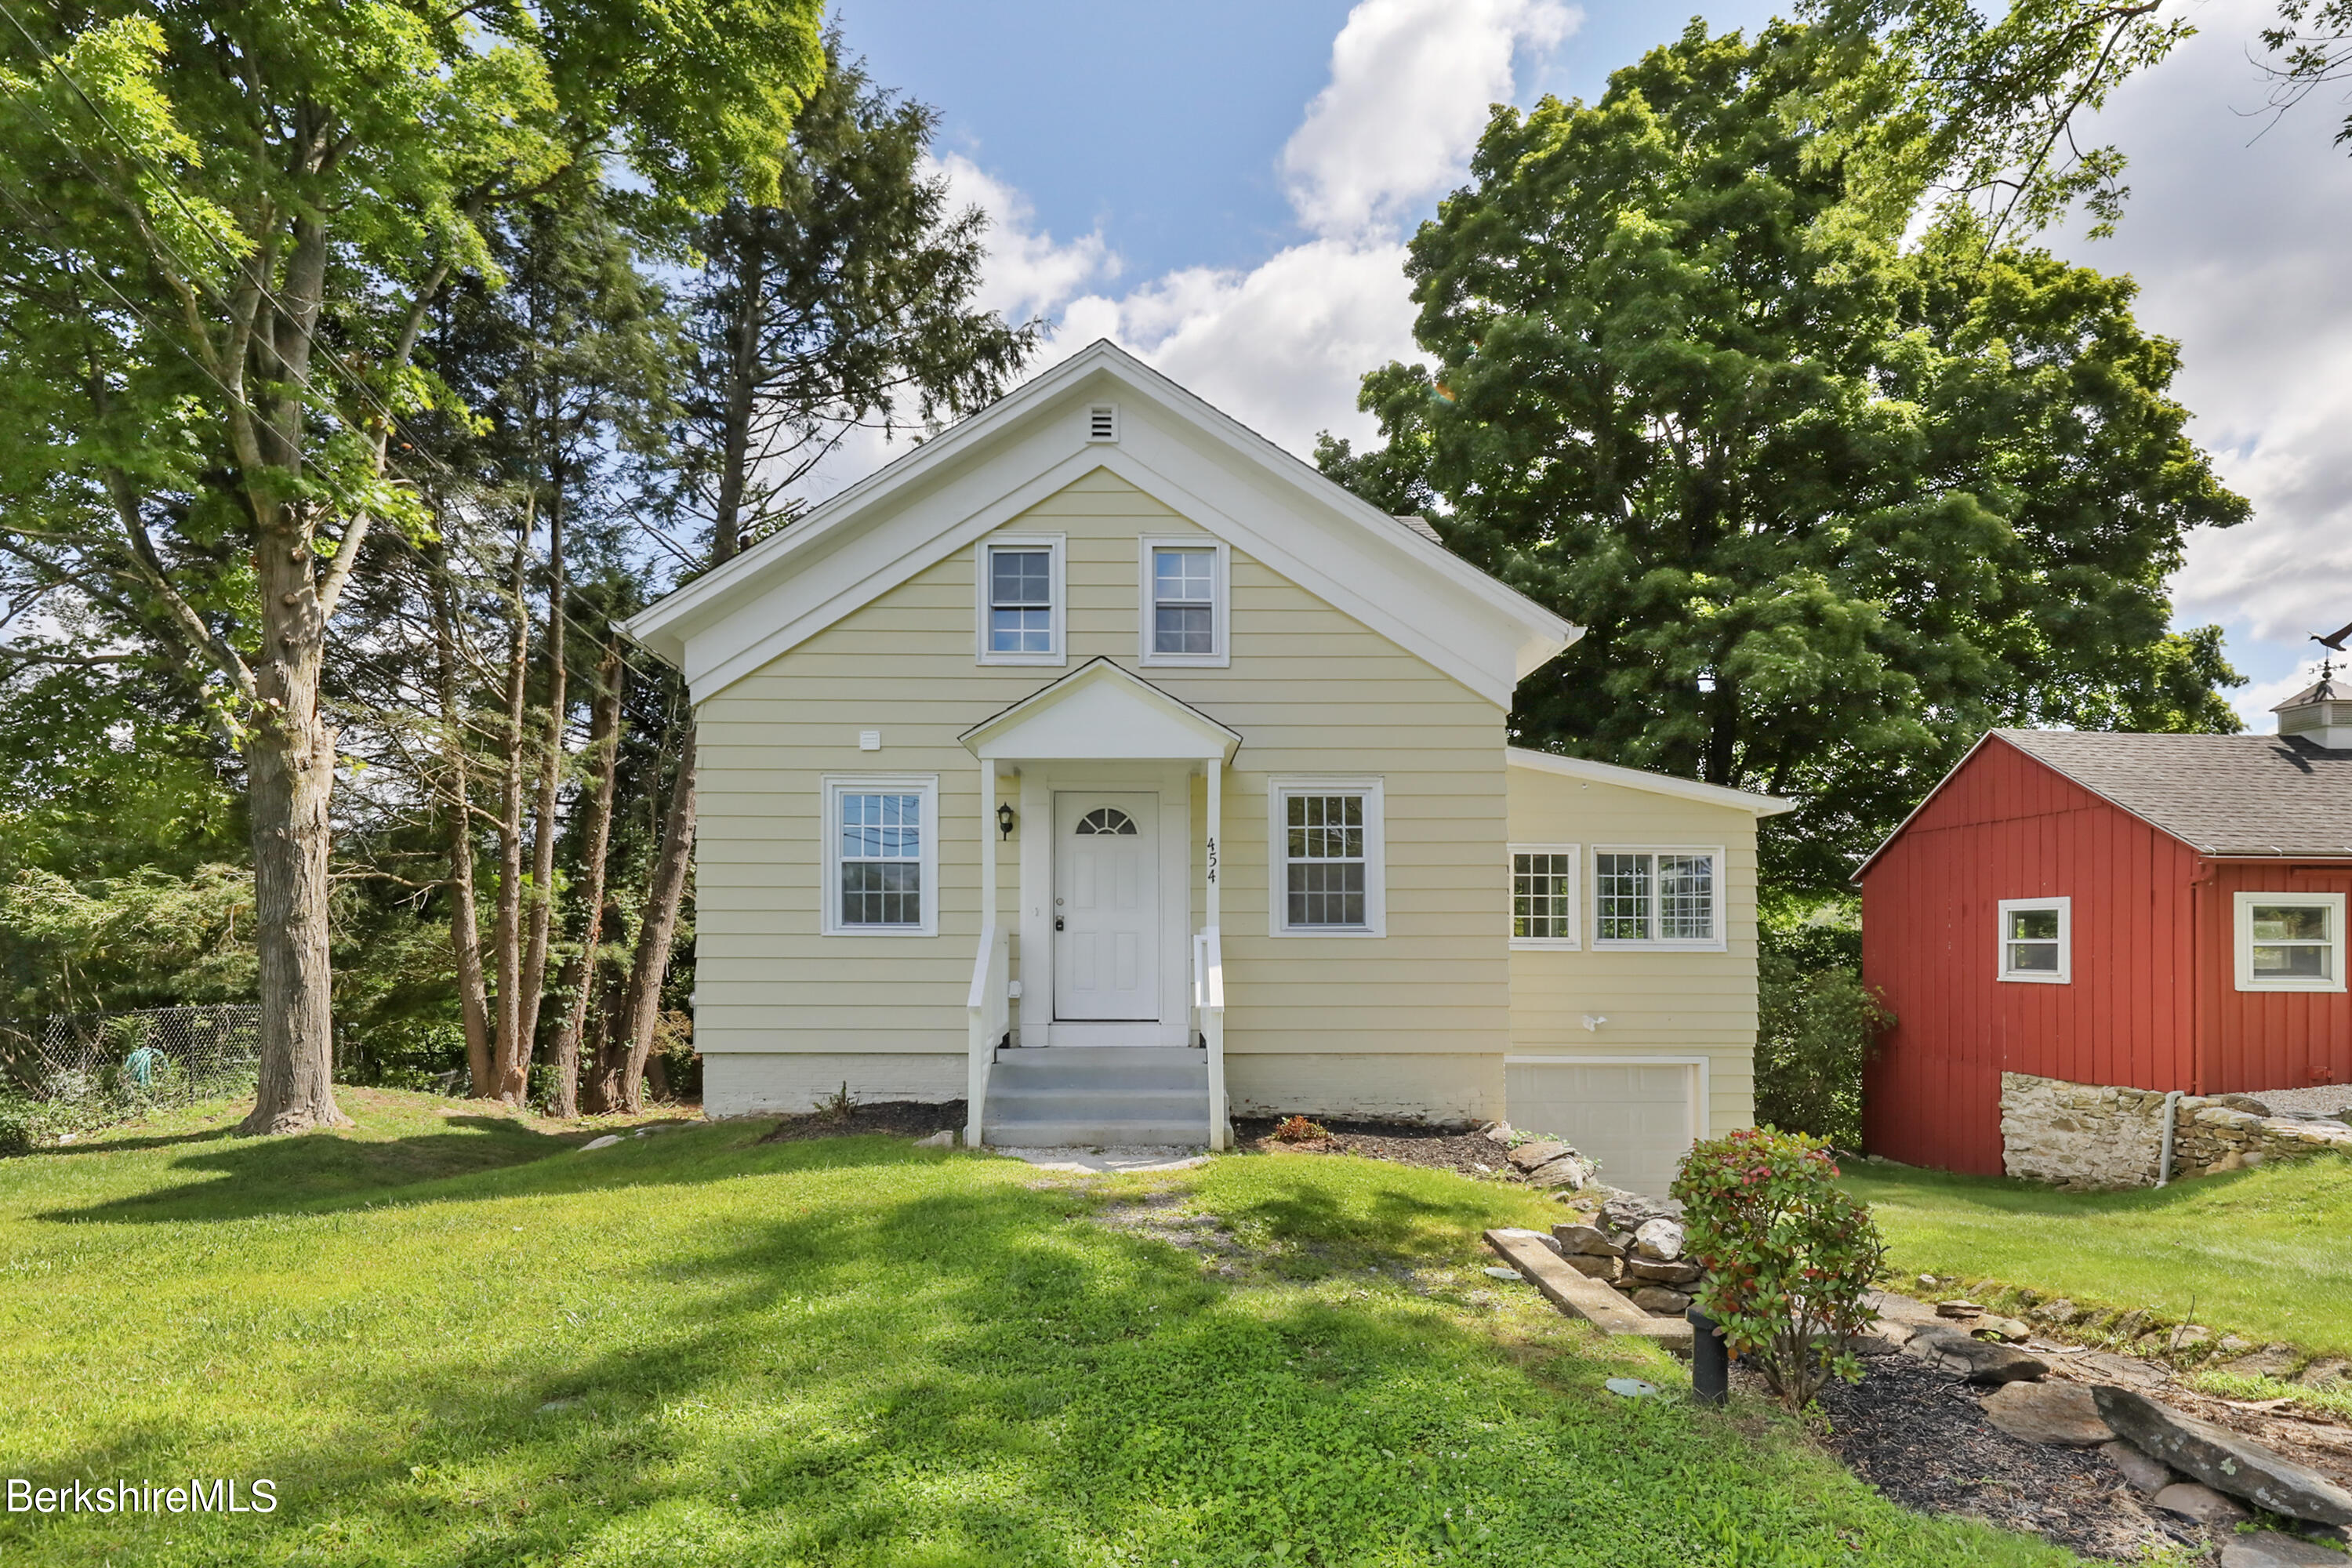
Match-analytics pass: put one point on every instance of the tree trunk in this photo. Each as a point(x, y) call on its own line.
point(542, 904)
point(651, 961)
point(580, 975)
point(513, 1059)
point(464, 921)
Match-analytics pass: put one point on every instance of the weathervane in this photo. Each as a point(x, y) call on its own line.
point(2334, 644)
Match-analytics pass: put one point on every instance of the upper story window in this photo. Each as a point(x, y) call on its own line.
point(881, 855)
point(1328, 858)
point(1657, 897)
point(1020, 599)
point(1543, 895)
point(2290, 941)
point(1183, 611)
point(2037, 940)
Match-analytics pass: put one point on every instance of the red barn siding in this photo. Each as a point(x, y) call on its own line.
point(2270, 1039)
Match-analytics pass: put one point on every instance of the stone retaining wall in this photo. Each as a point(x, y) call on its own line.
point(2090, 1137)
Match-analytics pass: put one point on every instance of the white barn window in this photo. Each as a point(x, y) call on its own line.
point(2037, 941)
point(2290, 941)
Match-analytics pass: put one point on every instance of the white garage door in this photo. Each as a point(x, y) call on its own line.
point(1635, 1119)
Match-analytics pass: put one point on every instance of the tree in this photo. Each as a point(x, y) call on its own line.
point(230, 228)
point(1826, 508)
point(847, 303)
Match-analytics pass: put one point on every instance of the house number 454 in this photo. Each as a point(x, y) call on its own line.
point(1213, 859)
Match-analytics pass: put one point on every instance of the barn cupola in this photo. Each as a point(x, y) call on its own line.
point(2320, 713)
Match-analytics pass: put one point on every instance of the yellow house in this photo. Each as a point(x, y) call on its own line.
point(1101, 765)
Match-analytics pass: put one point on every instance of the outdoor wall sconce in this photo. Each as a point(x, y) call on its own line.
point(1004, 820)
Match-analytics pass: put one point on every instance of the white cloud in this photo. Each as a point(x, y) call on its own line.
point(1029, 273)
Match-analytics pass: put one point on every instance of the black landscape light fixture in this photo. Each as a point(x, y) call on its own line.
point(1004, 819)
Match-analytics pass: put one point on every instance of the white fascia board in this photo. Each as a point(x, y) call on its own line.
point(1102, 712)
point(1653, 783)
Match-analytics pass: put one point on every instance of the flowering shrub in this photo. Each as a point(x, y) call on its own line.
point(1789, 1256)
point(1298, 1130)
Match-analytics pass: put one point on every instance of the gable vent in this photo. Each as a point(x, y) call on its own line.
point(1102, 422)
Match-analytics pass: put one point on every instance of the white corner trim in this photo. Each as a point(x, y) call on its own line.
point(1653, 783)
point(1280, 788)
point(1221, 587)
point(1056, 547)
point(2243, 926)
point(1575, 853)
point(1702, 1108)
point(1720, 912)
point(2064, 975)
point(831, 787)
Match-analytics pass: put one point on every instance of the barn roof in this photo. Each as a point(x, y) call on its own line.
point(2251, 797)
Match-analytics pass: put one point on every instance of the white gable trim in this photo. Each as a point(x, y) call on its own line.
point(1102, 712)
point(1027, 445)
point(1653, 783)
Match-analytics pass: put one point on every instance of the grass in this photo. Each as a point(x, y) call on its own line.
point(2266, 1254)
point(450, 1340)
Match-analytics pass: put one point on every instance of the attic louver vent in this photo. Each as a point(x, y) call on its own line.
point(1102, 422)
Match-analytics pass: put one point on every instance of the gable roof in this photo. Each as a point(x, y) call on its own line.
point(1655, 784)
point(981, 472)
point(2240, 796)
point(1101, 711)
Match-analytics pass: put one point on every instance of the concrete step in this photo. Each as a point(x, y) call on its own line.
point(1097, 1134)
point(1108, 1067)
point(1043, 1102)
point(1077, 1096)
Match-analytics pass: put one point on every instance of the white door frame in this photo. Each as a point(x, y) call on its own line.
point(1699, 1113)
point(1039, 836)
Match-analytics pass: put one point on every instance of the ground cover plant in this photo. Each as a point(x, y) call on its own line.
point(2259, 1253)
point(451, 1340)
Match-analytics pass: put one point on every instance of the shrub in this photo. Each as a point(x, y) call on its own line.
point(15, 1126)
point(1298, 1130)
point(1817, 1023)
point(1788, 1256)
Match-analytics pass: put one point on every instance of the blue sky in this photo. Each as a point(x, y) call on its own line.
point(1225, 188)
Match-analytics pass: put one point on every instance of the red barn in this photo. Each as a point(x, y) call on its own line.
point(2161, 911)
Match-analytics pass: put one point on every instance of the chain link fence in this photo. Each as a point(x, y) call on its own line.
point(77, 1070)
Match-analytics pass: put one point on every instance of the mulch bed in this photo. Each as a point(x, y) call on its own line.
point(1462, 1150)
point(900, 1117)
point(1920, 1437)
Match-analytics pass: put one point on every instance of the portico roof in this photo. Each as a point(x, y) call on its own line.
point(1101, 712)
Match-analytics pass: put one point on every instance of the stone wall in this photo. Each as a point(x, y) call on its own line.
point(2089, 1137)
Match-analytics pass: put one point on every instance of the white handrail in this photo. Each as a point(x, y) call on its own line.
point(988, 1009)
point(1209, 999)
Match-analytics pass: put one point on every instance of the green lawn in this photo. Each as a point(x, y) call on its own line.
point(451, 1340)
point(2266, 1253)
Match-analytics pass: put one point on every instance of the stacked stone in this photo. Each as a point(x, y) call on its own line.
point(1635, 1246)
point(2090, 1137)
point(1543, 1161)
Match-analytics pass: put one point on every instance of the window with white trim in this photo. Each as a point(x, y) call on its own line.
point(1327, 858)
point(1183, 609)
point(1021, 598)
point(881, 856)
point(1658, 897)
point(2037, 940)
point(1543, 895)
point(2290, 941)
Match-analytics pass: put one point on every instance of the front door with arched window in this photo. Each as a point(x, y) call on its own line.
point(1106, 906)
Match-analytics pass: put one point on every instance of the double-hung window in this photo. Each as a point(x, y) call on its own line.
point(2037, 940)
point(1543, 895)
point(1020, 595)
point(1327, 858)
point(881, 856)
point(1183, 610)
point(1658, 897)
point(2290, 941)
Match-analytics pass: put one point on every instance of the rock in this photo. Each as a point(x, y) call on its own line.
point(1498, 1132)
point(2002, 1327)
point(1519, 1234)
point(1978, 1361)
point(1573, 1238)
point(1658, 1300)
point(2231, 1344)
point(2131, 1326)
point(2128, 1371)
point(2188, 1339)
point(1605, 1266)
point(2144, 1476)
point(2269, 1549)
point(2057, 1314)
point(943, 1138)
point(1628, 1211)
point(2323, 1373)
point(2245, 1102)
point(2202, 1503)
point(1956, 1308)
point(1499, 1272)
point(1540, 1152)
point(606, 1141)
point(1632, 1388)
point(2062, 1415)
point(1661, 1239)
point(1674, 1273)
point(1900, 1308)
point(2271, 1361)
point(1570, 1171)
point(2222, 1460)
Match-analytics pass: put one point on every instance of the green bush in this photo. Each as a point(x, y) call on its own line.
point(15, 1126)
point(1788, 1256)
point(1816, 1025)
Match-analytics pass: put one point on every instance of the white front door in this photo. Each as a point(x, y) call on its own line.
point(1106, 906)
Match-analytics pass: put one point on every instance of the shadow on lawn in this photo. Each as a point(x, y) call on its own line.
point(2016, 1195)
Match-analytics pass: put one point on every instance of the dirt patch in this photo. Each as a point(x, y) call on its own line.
point(2299, 1432)
point(1920, 1437)
point(1464, 1151)
point(898, 1118)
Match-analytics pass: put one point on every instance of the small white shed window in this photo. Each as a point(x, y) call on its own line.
point(2290, 941)
point(2037, 940)
point(1645, 897)
point(1543, 895)
point(1183, 611)
point(1021, 597)
point(881, 856)
point(1327, 838)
